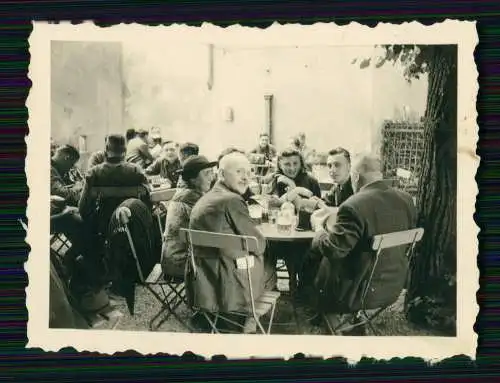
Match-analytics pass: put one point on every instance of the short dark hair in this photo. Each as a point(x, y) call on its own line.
point(131, 133)
point(264, 135)
point(340, 150)
point(189, 149)
point(290, 152)
point(70, 151)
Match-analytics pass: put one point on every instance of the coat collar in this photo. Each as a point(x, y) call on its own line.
point(221, 186)
point(379, 184)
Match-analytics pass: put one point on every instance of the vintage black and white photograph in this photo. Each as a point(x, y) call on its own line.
point(260, 187)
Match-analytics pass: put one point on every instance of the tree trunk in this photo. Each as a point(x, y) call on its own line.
point(432, 293)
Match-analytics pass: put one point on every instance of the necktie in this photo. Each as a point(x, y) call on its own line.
point(337, 195)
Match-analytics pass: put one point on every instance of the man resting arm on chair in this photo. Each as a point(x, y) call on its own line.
point(341, 250)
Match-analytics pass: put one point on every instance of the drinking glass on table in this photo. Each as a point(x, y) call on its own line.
point(272, 215)
point(255, 213)
point(254, 187)
point(286, 222)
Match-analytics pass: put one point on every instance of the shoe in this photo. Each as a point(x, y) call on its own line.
point(199, 323)
point(250, 326)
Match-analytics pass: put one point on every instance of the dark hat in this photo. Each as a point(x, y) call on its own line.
point(116, 145)
point(193, 165)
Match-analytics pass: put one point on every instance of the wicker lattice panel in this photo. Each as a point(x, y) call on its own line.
point(402, 148)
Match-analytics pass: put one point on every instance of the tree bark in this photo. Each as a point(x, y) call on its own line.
point(435, 257)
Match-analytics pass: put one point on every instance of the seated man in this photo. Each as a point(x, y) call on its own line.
point(65, 157)
point(167, 165)
point(339, 166)
point(248, 193)
point(186, 151)
point(96, 212)
point(264, 150)
point(219, 286)
point(98, 157)
point(113, 172)
point(341, 258)
point(138, 150)
point(155, 148)
point(70, 223)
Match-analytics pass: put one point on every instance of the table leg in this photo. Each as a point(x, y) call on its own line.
point(291, 266)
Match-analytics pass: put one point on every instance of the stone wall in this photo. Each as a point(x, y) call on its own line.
point(86, 93)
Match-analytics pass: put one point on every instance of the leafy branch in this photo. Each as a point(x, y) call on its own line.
point(414, 59)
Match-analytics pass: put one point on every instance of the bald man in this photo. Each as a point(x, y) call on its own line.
point(219, 286)
point(341, 247)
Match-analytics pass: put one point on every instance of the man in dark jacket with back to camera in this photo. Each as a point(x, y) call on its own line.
point(341, 257)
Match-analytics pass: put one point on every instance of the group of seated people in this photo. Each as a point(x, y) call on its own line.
point(332, 270)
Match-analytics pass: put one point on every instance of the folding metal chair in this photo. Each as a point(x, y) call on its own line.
point(173, 289)
point(365, 316)
point(160, 198)
point(261, 306)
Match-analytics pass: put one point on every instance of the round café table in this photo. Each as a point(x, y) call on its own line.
point(270, 233)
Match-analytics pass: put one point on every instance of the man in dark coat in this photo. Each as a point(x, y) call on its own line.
point(138, 150)
point(113, 172)
point(339, 166)
point(63, 160)
point(70, 223)
point(343, 247)
point(167, 165)
point(219, 286)
point(95, 211)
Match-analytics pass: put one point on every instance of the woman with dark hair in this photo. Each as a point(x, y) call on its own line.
point(292, 183)
point(291, 180)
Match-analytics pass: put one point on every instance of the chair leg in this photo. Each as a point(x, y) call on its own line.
point(328, 325)
point(171, 301)
point(271, 319)
point(213, 324)
point(261, 328)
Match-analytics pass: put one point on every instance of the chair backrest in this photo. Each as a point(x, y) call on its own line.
point(398, 238)
point(222, 241)
point(219, 240)
point(162, 195)
point(108, 198)
point(389, 240)
point(116, 191)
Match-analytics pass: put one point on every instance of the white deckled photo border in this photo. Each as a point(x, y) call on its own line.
point(462, 33)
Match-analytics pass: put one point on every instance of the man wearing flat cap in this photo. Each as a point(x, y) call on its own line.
point(113, 172)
